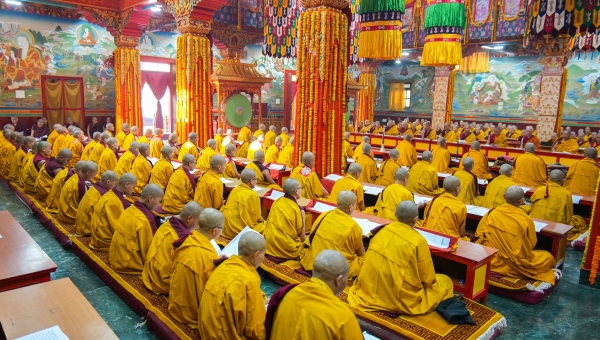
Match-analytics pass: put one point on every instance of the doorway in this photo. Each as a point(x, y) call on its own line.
point(62, 97)
point(158, 94)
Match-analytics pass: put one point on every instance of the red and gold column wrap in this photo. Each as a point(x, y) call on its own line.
point(366, 97)
point(128, 81)
point(322, 75)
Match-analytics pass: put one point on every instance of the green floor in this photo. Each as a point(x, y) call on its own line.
point(572, 311)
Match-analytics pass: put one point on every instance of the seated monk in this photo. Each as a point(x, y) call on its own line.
point(189, 147)
point(566, 144)
point(232, 295)
point(530, 169)
point(273, 151)
point(441, 157)
point(553, 202)
point(156, 143)
point(245, 132)
point(125, 131)
point(481, 168)
point(350, 183)
point(76, 146)
point(158, 267)
point(367, 163)
point(581, 141)
point(270, 137)
point(243, 150)
point(408, 154)
point(132, 137)
point(125, 162)
point(141, 168)
point(366, 127)
point(285, 137)
point(58, 142)
point(497, 138)
point(391, 128)
point(423, 178)
point(73, 191)
point(582, 176)
point(336, 230)
point(53, 199)
point(427, 132)
point(308, 179)
point(182, 184)
point(52, 136)
point(347, 151)
point(510, 230)
point(108, 159)
point(393, 194)
point(107, 212)
point(494, 193)
point(446, 213)
point(255, 146)
point(469, 188)
point(529, 137)
point(359, 148)
point(447, 132)
point(146, 137)
point(69, 138)
point(174, 143)
point(9, 152)
point(83, 217)
point(31, 145)
point(284, 229)
point(49, 171)
point(387, 169)
point(99, 148)
point(286, 155)
point(14, 163)
point(405, 129)
point(230, 168)
point(32, 169)
point(398, 274)
point(133, 233)
point(192, 264)
point(377, 128)
point(204, 159)
point(210, 190)
point(163, 169)
point(219, 139)
point(334, 319)
point(263, 175)
point(87, 150)
point(243, 207)
point(468, 135)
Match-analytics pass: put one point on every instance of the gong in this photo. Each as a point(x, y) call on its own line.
point(237, 110)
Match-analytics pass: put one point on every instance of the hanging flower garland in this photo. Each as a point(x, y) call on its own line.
point(128, 89)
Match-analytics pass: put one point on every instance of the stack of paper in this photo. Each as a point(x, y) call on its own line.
point(232, 247)
point(443, 175)
point(435, 240)
point(276, 194)
point(366, 225)
point(257, 188)
point(225, 181)
point(176, 165)
point(350, 160)
point(576, 199)
point(372, 190)
point(321, 207)
point(539, 226)
point(333, 177)
point(421, 199)
point(53, 333)
point(475, 210)
point(276, 167)
point(482, 181)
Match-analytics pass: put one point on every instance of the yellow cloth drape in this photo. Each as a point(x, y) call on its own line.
point(396, 97)
point(53, 101)
point(366, 98)
point(478, 62)
point(561, 101)
point(73, 102)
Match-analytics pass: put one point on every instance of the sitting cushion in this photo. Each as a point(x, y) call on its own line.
point(523, 290)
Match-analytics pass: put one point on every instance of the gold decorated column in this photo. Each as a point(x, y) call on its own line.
point(128, 81)
point(442, 96)
point(366, 97)
point(552, 95)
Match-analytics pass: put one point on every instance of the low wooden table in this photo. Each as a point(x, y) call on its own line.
point(23, 262)
point(31, 309)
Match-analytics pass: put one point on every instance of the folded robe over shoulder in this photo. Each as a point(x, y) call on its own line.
point(582, 177)
point(283, 227)
point(209, 192)
point(180, 190)
point(242, 209)
point(309, 181)
point(388, 201)
point(70, 196)
point(161, 173)
point(347, 183)
point(494, 192)
point(83, 217)
point(423, 179)
point(53, 199)
point(387, 172)
point(107, 212)
point(530, 170)
point(445, 214)
point(408, 154)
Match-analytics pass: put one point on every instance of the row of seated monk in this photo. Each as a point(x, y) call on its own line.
point(41, 130)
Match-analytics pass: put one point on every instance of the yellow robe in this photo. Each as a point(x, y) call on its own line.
point(369, 169)
point(20, 177)
point(219, 140)
point(15, 164)
point(124, 163)
point(242, 151)
point(487, 131)
point(583, 145)
point(582, 177)
point(423, 179)
point(233, 305)
point(258, 133)
point(269, 139)
point(282, 229)
point(230, 169)
point(500, 141)
point(179, 191)
point(509, 229)
point(66, 143)
point(158, 267)
point(143, 139)
point(43, 184)
point(286, 155)
point(69, 200)
point(76, 148)
point(83, 217)
point(244, 134)
point(480, 135)
point(530, 170)
point(53, 198)
point(107, 161)
point(130, 243)
point(481, 168)
point(261, 182)
point(226, 141)
point(365, 129)
point(309, 181)
point(29, 175)
point(451, 136)
point(243, 208)
point(470, 138)
point(121, 137)
point(254, 146)
point(272, 154)
point(570, 145)
point(97, 152)
point(398, 275)
point(441, 160)
point(192, 265)
point(285, 139)
point(209, 192)
point(432, 134)
point(387, 172)
point(445, 214)
point(408, 154)
point(358, 151)
point(107, 212)
point(388, 200)
point(9, 152)
point(141, 168)
point(347, 150)
point(337, 231)
point(333, 321)
point(57, 146)
point(469, 189)
point(187, 147)
point(156, 145)
point(347, 183)
point(161, 173)
point(87, 151)
point(203, 162)
point(393, 131)
point(494, 193)
point(52, 137)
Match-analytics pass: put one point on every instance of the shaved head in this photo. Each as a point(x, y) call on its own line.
point(290, 185)
point(143, 147)
point(394, 154)
point(192, 209)
point(355, 169)
point(591, 153)
point(400, 174)
point(151, 190)
point(441, 142)
point(213, 143)
point(308, 157)
point(127, 177)
point(88, 166)
point(475, 145)
point(134, 146)
point(108, 176)
point(230, 148)
point(450, 184)
point(247, 175)
point(166, 151)
point(210, 219)
point(408, 137)
point(530, 147)
point(506, 170)
point(366, 148)
point(406, 212)
point(468, 163)
point(65, 153)
point(331, 267)
point(259, 155)
point(112, 142)
point(193, 137)
point(96, 136)
point(557, 176)
point(251, 245)
point(345, 199)
point(188, 158)
point(513, 195)
point(216, 161)
point(427, 156)
point(366, 139)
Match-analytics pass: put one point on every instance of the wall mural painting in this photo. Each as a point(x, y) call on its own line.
point(158, 44)
point(421, 89)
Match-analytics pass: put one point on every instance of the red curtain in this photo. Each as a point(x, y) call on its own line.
point(158, 82)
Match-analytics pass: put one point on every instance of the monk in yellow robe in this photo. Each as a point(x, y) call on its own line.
point(255, 146)
point(392, 195)
point(581, 142)
point(454, 135)
point(233, 305)
point(189, 147)
point(158, 266)
point(210, 189)
point(336, 230)
point(529, 137)
point(468, 136)
point(405, 129)
point(387, 169)
point(156, 143)
point(566, 144)
point(367, 163)
point(359, 148)
point(270, 137)
point(125, 162)
point(174, 143)
point(399, 248)
point(219, 139)
point(377, 129)
point(110, 130)
point(83, 216)
point(141, 168)
point(243, 207)
point(163, 169)
point(69, 138)
point(260, 131)
point(366, 127)
point(52, 136)
point(391, 128)
point(107, 212)
point(481, 168)
point(273, 151)
point(125, 131)
point(242, 151)
point(447, 131)
point(14, 163)
point(286, 155)
point(146, 137)
point(108, 159)
point(49, 171)
point(497, 138)
point(469, 188)
point(350, 183)
point(73, 191)
point(347, 151)
point(446, 213)
point(99, 148)
point(441, 157)
point(8, 152)
point(230, 167)
point(510, 230)
point(31, 146)
point(334, 319)
point(309, 180)
point(530, 169)
point(494, 193)
point(76, 146)
point(553, 202)
point(192, 265)
point(263, 175)
point(57, 145)
point(227, 140)
point(423, 177)
point(245, 133)
point(87, 150)
point(285, 137)
point(204, 160)
point(582, 176)
point(428, 132)
point(180, 189)
point(53, 199)
point(133, 233)
point(285, 229)
point(408, 154)
point(32, 168)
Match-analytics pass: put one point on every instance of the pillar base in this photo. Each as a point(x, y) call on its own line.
point(584, 279)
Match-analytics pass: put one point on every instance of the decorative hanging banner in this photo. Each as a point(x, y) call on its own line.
point(482, 15)
point(280, 28)
point(354, 31)
point(408, 23)
point(445, 21)
point(381, 29)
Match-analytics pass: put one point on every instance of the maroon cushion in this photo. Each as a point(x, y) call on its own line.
point(529, 297)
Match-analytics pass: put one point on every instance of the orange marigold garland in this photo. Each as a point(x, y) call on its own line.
point(128, 86)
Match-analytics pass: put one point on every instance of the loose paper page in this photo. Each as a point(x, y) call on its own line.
point(366, 225)
point(321, 207)
point(216, 246)
point(475, 210)
point(257, 188)
point(276, 194)
point(276, 167)
point(176, 165)
point(333, 177)
point(437, 241)
point(153, 160)
point(576, 199)
point(443, 175)
point(482, 181)
point(368, 336)
point(225, 181)
point(539, 226)
point(372, 190)
point(421, 199)
point(52, 333)
point(232, 247)
point(350, 160)
point(525, 189)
